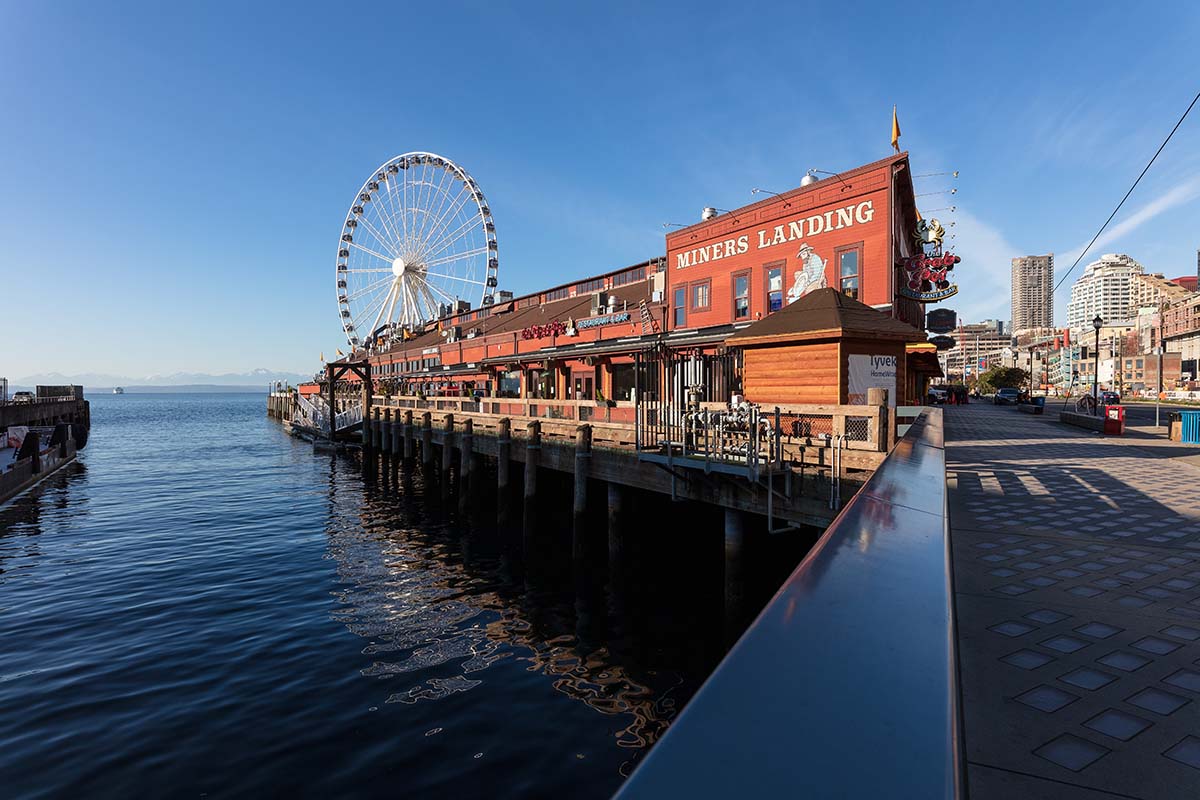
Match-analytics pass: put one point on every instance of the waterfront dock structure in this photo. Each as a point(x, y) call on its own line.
point(753, 347)
point(59, 412)
point(52, 405)
point(769, 366)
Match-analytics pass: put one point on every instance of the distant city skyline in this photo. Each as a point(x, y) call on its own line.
point(175, 185)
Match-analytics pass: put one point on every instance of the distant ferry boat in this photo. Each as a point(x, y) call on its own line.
point(118, 390)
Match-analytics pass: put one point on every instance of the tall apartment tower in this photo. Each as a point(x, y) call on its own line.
point(1107, 289)
point(1032, 292)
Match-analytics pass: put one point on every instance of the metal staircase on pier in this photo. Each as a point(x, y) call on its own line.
point(316, 415)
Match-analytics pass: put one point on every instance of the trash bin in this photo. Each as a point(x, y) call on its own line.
point(1190, 424)
point(1114, 420)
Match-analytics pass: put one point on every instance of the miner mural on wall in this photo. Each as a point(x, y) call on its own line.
point(810, 276)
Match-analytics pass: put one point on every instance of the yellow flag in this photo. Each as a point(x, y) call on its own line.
point(322, 358)
point(895, 131)
point(339, 351)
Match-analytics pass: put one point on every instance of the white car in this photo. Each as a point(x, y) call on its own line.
point(22, 397)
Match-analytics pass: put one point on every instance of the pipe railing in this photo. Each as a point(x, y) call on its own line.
point(846, 684)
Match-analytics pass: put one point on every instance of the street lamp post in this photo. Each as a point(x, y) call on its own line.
point(1097, 323)
point(1162, 346)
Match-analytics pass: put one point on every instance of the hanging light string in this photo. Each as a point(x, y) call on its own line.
point(1126, 197)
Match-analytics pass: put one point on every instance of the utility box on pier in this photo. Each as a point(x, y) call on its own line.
point(1114, 420)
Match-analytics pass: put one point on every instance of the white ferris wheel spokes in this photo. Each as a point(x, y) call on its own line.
point(417, 241)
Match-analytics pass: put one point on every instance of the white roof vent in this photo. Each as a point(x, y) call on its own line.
point(708, 213)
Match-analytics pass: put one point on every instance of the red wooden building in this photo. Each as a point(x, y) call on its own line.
point(576, 343)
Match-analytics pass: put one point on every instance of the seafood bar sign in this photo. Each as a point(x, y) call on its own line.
point(926, 274)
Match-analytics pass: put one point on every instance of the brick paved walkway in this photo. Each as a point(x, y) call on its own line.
point(1077, 579)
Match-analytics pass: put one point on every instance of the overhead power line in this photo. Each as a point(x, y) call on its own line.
point(1126, 197)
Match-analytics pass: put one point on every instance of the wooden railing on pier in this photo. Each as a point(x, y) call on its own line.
point(808, 432)
point(822, 453)
point(523, 407)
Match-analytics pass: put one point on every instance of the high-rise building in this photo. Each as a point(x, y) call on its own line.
point(1032, 292)
point(1106, 288)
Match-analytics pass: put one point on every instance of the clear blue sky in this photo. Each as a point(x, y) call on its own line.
point(173, 179)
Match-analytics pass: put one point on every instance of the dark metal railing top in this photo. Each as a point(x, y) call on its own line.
point(846, 684)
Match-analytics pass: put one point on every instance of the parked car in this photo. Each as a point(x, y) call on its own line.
point(938, 396)
point(1110, 399)
point(23, 397)
point(1006, 396)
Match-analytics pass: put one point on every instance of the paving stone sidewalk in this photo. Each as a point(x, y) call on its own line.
point(1077, 579)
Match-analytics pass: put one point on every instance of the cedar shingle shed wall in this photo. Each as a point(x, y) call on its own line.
point(791, 374)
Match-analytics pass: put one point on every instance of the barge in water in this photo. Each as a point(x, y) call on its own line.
point(38, 437)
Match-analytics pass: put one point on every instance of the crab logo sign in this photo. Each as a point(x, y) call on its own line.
point(926, 275)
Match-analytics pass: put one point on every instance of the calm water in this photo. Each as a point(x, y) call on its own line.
point(204, 607)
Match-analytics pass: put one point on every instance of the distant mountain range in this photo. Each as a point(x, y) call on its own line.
point(253, 380)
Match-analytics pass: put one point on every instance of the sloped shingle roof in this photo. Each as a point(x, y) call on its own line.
point(825, 313)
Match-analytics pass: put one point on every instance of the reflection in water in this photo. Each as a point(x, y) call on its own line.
point(23, 514)
point(435, 592)
point(167, 620)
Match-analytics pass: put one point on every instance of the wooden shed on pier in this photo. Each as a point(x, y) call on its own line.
point(826, 348)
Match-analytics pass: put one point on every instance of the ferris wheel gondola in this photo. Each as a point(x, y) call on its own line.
point(418, 242)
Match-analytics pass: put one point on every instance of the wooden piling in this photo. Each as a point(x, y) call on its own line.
point(408, 436)
point(385, 433)
point(447, 451)
point(616, 530)
point(735, 540)
point(532, 455)
point(503, 462)
point(466, 455)
point(427, 439)
point(583, 455)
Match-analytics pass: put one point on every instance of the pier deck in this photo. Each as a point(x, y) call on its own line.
point(810, 480)
point(1077, 577)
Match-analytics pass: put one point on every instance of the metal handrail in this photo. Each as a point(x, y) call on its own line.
point(857, 645)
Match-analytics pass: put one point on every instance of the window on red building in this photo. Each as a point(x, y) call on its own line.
point(680, 305)
point(623, 380)
point(741, 295)
point(849, 270)
point(774, 286)
point(701, 296)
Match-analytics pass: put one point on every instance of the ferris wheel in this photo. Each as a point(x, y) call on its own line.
point(418, 243)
